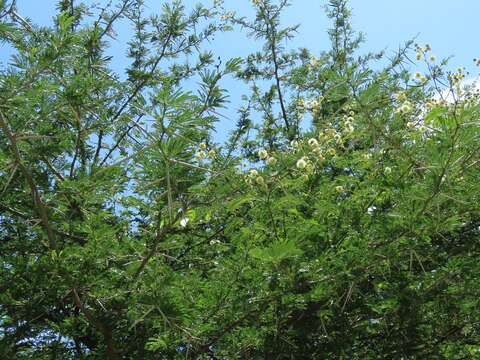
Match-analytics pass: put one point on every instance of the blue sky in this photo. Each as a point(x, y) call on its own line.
point(448, 26)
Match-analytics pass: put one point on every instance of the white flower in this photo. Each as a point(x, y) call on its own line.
point(227, 16)
point(313, 142)
point(301, 163)
point(202, 146)
point(212, 153)
point(184, 222)
point(271, 161)
point(405, 108)
point(339, 188)
point(262, 154)
point(388, 170)
point(259, 180)
point(294, 144)
point(371, 210)
point(253, 172)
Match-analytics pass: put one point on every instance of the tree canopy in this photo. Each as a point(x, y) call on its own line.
point(339, 220)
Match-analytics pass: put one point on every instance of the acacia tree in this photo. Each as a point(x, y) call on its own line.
point(127, 233)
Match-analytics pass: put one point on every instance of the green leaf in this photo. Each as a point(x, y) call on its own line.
point(276, 252)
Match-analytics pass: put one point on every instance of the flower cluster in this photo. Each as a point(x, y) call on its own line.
point(200, 155)
point(202, 152)
point(422, 50)
point(347, 123)
point(405, 106)
point(457, 76)
point(253, 177)
point(227, 16)
point(313, 105)
point(264, 155)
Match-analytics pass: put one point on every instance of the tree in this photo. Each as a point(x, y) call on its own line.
point(127, 233)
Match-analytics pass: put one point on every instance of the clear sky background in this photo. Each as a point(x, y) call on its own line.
point(450, 27)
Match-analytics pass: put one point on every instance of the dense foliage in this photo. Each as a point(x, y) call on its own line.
point(340, 220)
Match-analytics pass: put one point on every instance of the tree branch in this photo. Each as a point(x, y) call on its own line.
point(106, 332)
point(37, 201)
